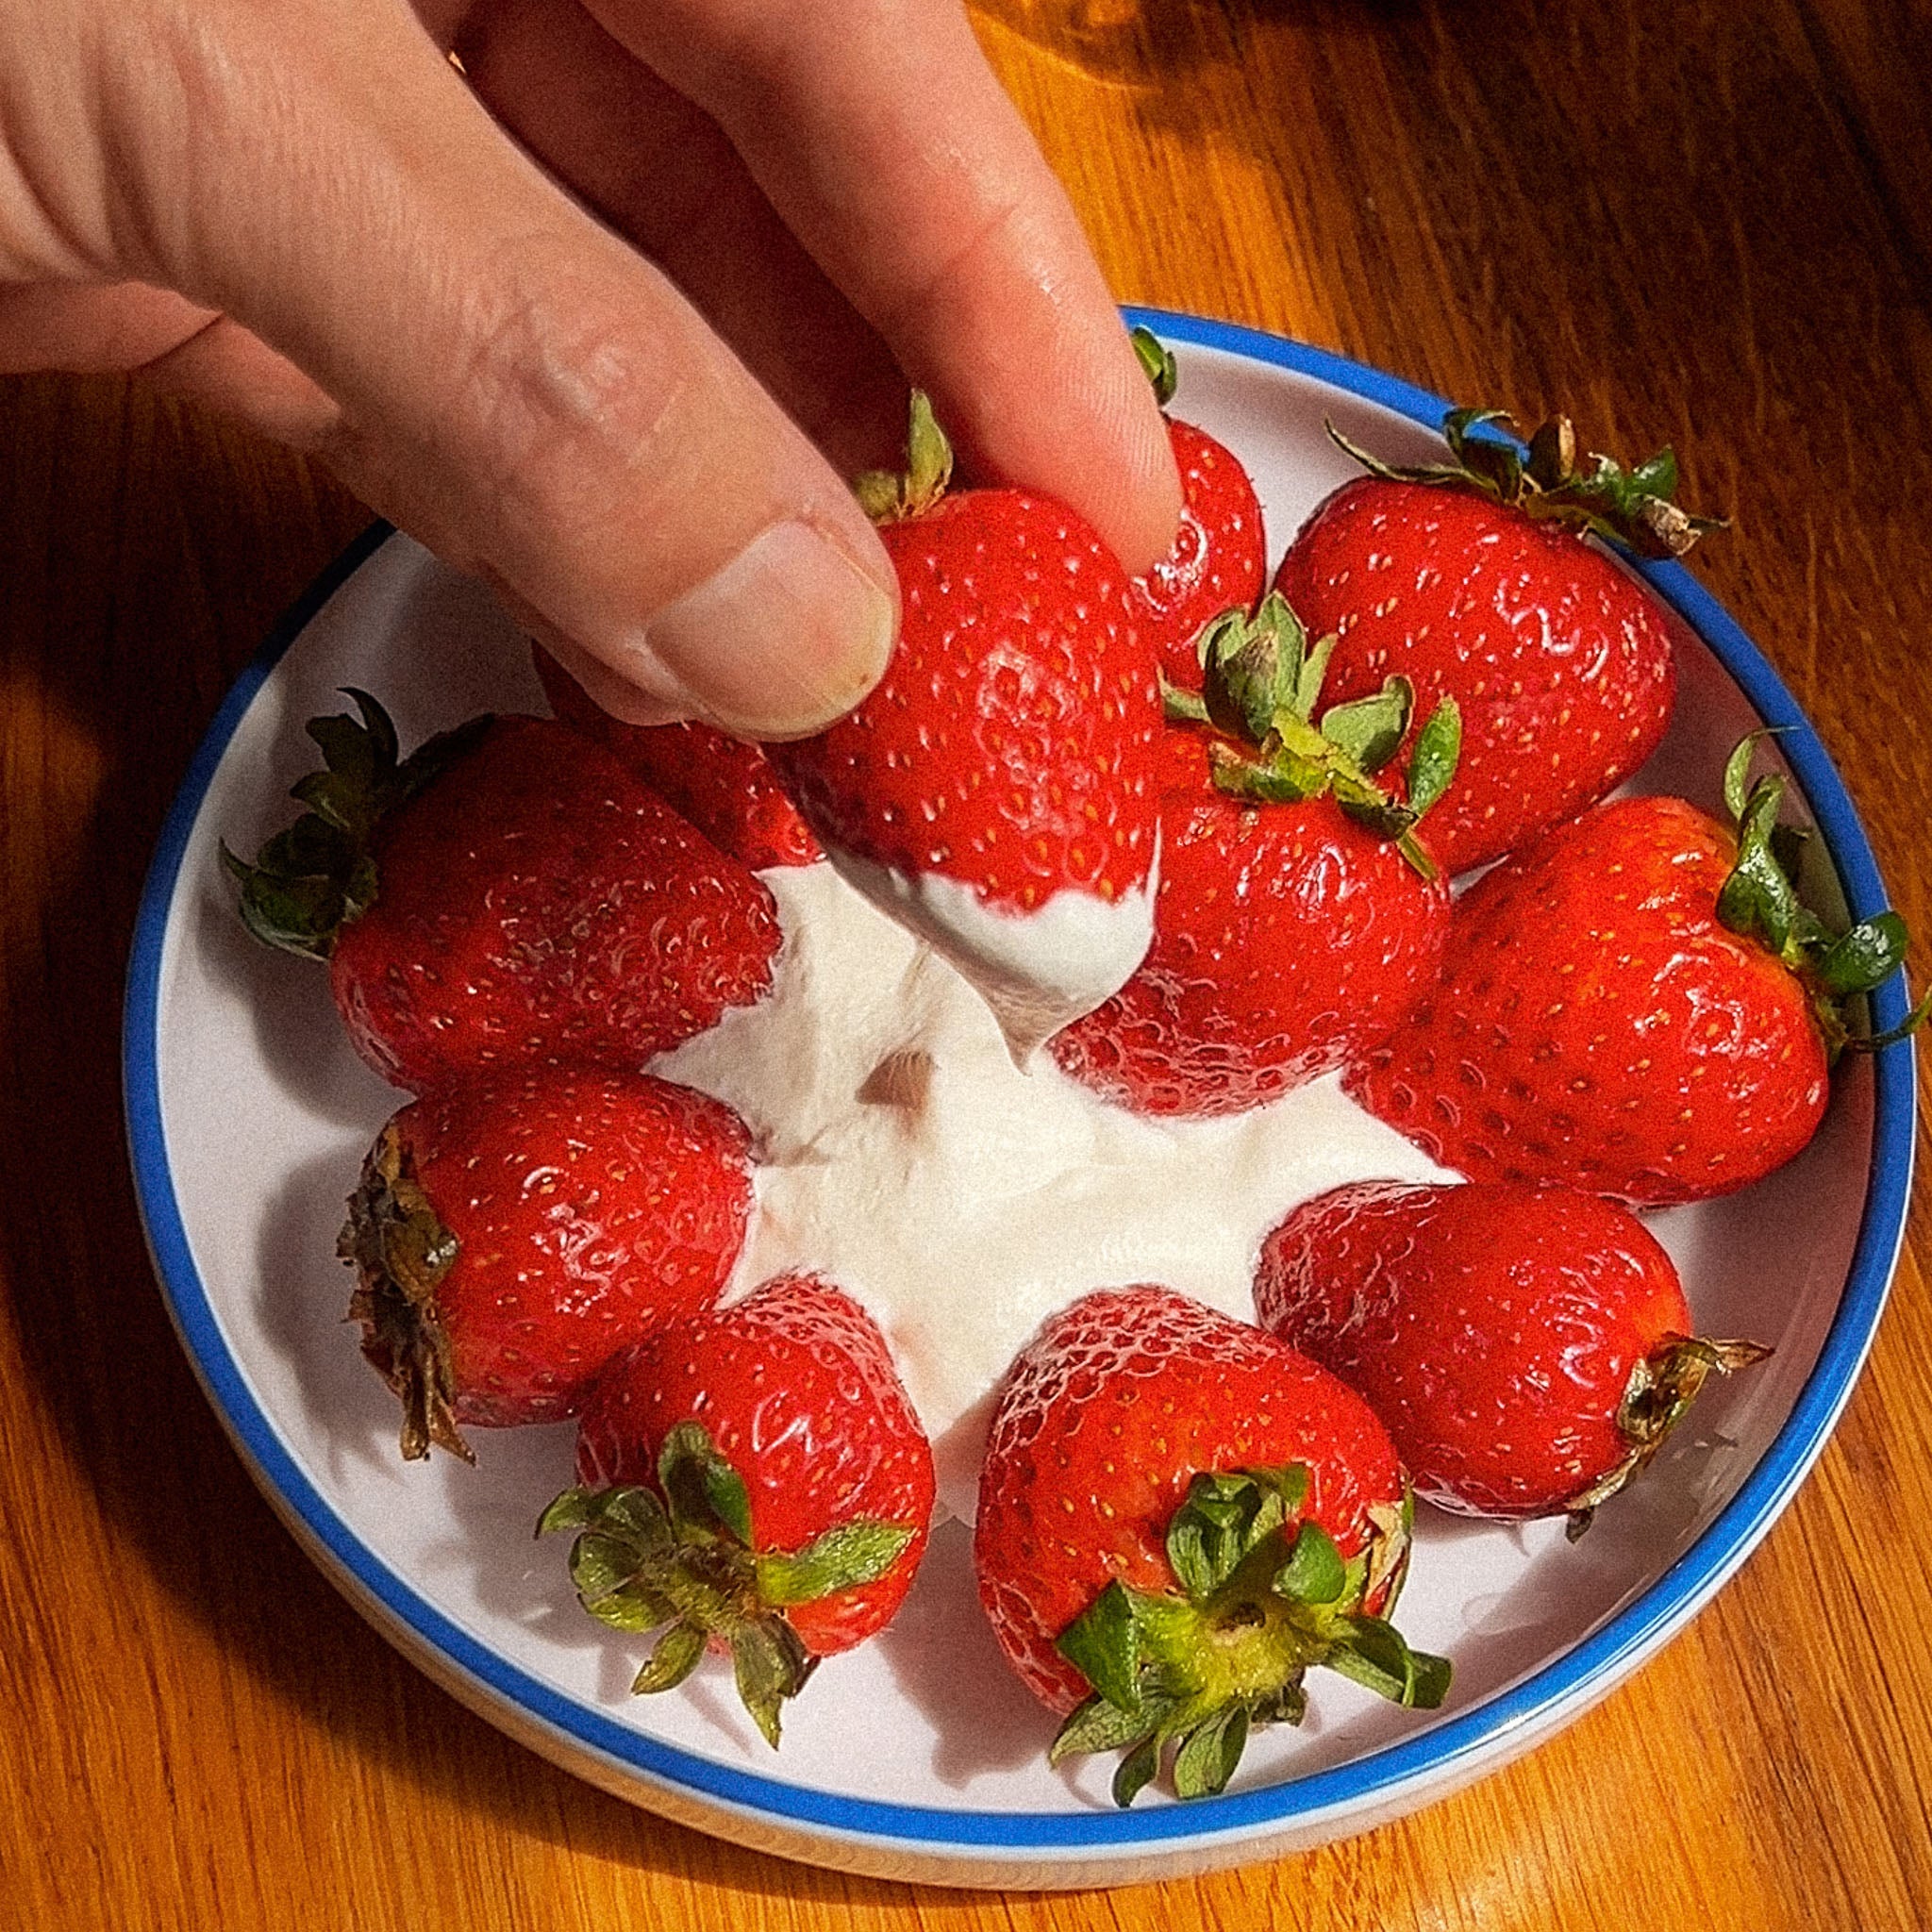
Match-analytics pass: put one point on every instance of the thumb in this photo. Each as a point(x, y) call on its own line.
point(516, 385)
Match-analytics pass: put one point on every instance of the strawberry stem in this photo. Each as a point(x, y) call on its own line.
point(401, 1251)
point(1261, 682)
point(1631, 507)
point(1661, 1388)
point(890, 496)
point(1157, 361)
point(1761, 900)
point(681, 1559)
point(1262, 1595)
point(309, 881)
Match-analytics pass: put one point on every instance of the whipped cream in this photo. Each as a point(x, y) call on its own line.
point(1037, 970)
point(905, 1156)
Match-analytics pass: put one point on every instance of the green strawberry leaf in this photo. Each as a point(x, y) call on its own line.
point(1759, 898)
point(1286, 779)
point(1657, 477)
point(1374, 1654)
point(1100, 1726)
point(701, 1486)
point(1223, 1518)
point(1180, 706)
point(1315, 1573)
point(1157, 361)
point(1314, 670)
point(316, 875)
point(1102, 1643)
point(1136, 1771)
point(846, 1557)
point(575, 1508)
point(1866, 957)
point(612, 1582)
point(1211, 1753)
point(1437, 752)
point(769, 1664)
point(1252, 668)
point(674, 1658)
point(1369, 730)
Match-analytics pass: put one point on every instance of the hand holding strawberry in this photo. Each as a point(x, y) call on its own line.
point(754, 1479)
point(996, 793)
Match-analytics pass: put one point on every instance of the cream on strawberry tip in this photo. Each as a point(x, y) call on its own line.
point(1037, 970)
point(997, 794)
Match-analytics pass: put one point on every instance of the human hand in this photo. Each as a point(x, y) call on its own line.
point(634, 426)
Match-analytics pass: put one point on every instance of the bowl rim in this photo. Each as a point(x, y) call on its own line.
point(1373, 1783)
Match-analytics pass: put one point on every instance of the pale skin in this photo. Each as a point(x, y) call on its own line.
point(606, 310)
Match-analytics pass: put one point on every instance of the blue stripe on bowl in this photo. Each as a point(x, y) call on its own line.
point(1373, 1781)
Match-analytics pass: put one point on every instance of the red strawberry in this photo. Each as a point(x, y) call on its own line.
point(723, 784)
point(1290, 935)
point(512, 1234)
point(1636, 1006)
point(508, 893)
point(1529, 1348)
point(996, 793)
point(756, 1479)
point(1179, 1514)
point(1219, 557)
point(1474, 580)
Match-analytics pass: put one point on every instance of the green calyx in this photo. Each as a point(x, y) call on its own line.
point(1262, 684)
point(1661, 1388)
point(1262, 1595)
point(401, 1253)
point(890, 497)
point(1761, 900)
point(309, 881)
point(1633, 508)
point(681, 1559)
point(1157, 360)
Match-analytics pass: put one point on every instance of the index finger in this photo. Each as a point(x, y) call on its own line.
point(881, 135)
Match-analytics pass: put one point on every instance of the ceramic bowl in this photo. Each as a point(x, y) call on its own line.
point(920, 1756)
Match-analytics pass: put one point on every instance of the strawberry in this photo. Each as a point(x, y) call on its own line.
point(1299, 920)
point(1178, 1515)
point(1636, 1006)
point(1476, 579)
point(1529, 1348)
point(755, 1479)
point(996, 793)
point(506, 893)
point(1219, 557)
point(511, 1235)
point(721, 784)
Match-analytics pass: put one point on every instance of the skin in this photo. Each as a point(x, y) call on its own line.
point(606, 313)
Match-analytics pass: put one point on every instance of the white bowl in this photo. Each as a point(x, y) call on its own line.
point(919, 1755)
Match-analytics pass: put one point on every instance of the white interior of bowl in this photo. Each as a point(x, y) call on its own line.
point(267, 1114)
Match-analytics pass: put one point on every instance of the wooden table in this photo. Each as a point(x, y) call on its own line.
point(1708, 225)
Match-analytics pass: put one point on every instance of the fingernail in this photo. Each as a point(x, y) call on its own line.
point(788, 636)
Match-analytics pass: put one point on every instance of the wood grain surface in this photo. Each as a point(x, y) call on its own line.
point(1704, 225)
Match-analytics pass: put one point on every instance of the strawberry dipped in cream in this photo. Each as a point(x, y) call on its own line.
point(996, 794)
